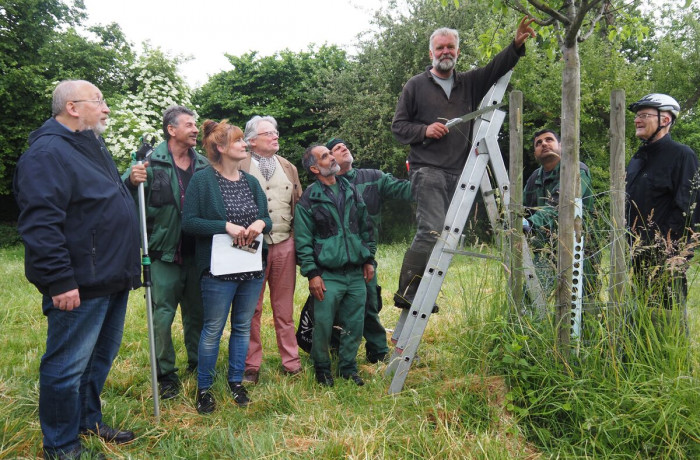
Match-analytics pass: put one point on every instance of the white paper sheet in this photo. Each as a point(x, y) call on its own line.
point(226, 259)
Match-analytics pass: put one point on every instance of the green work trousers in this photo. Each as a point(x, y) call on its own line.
point(344, 305)
point(175, 284)
point(374, 333)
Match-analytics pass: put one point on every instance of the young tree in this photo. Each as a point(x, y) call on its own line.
point(571, 22)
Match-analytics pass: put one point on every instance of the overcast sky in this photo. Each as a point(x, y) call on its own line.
point(206, 29)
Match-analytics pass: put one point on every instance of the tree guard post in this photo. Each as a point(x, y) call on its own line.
point(618, 247)
point(515, 216)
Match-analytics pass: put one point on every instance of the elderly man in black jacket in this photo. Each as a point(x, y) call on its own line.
point(427, 101)
point(662, 209)
point(80, 230)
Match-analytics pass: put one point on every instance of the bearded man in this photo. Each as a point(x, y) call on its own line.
point(437, 157)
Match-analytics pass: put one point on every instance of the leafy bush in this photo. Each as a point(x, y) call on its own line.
point(9, 236)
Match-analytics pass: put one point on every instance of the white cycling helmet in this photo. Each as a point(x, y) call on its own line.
point(661, 102)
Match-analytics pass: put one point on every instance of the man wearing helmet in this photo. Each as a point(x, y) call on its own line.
point(662, 191)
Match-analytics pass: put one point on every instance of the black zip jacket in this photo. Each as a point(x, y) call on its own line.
point(662, 190)
point(77, 219)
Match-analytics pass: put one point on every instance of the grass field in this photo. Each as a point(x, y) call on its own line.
point(485, 386)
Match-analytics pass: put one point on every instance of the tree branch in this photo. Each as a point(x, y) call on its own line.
point(575, 26)
point(600, 14)
point(551, 12)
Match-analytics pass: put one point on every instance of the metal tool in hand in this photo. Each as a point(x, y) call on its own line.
point(143, 153)
point(468, 117)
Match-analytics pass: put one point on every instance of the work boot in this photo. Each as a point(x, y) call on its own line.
point(411, 273)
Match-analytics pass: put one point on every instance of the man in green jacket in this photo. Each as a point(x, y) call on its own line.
point(541, 201)
point(374, 186)
point(173, 270)
point(335, 248)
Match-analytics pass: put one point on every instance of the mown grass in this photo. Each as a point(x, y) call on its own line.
point(487, 385)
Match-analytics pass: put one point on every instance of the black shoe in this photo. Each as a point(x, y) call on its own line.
point(373, 359)
point(251, 376)
point(324, 378)
point(240, 394)
point(169, 389)
point(355, 378)
point(75, 453)
point(405, 303)
point(292, 373)
point(205, 402)
point(110, 434)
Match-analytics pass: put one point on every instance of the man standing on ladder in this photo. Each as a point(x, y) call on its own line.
point(436, 159)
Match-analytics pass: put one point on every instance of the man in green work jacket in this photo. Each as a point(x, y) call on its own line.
point(541, 200)
point(173, 270)
point(335, 249)
point(374, 186)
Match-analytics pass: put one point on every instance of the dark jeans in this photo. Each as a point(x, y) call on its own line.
point(80, 347)
point(432, 190)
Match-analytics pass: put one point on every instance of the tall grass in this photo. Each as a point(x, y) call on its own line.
point(487, 385)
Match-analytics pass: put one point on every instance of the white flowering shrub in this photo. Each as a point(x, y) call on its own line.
point(158, 85)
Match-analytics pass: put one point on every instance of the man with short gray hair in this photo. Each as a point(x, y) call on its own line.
point(280, 181)
point(80, 230)
point(174, 273)
point(436, 158)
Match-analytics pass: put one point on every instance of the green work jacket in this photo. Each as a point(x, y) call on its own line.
point(162, 193)
point(375, 186)
point(326, 239)
point(541, 198)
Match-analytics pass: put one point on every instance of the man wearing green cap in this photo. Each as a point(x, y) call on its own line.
point(374, 186)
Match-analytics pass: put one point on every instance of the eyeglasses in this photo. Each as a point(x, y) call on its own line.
point(97, 101)
point(644, 116)
point(270, 134)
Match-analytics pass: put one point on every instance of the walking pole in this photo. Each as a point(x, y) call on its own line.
point(140, 156)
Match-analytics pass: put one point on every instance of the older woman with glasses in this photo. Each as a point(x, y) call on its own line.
point(222, 199)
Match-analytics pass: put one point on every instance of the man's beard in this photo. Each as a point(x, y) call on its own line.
point(98, 128)
point(445, 64)
point(327, 172)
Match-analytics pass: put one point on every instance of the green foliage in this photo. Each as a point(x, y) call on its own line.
point(39, 46)
point(629, 392)
point(9, 236)
point(155, 84)
point(362, 98)
point(281, 85)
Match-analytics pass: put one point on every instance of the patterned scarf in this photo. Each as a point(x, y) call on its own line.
point(265, 165)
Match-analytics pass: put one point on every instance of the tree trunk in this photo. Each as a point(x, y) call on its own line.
point(569, 187)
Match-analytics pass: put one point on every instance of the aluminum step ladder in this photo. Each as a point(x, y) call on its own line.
point(484, 153)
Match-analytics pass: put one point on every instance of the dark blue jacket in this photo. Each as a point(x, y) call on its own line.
point(77, 219)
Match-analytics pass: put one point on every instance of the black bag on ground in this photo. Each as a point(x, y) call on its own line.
point(306, 325)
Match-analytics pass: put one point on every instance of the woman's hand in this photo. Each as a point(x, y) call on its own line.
point(254, 230)
point(237, 233)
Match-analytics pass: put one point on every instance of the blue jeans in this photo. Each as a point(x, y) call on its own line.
point(219, 297)
point(80, 347)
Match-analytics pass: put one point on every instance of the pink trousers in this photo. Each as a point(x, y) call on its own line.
point(280, 276)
